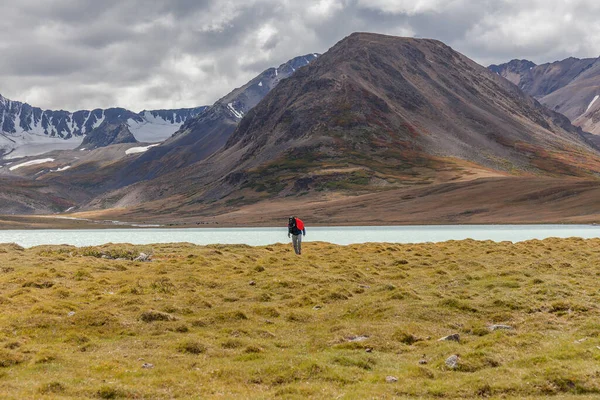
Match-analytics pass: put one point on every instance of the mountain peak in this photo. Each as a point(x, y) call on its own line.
point(515, 65)
point(377, 107)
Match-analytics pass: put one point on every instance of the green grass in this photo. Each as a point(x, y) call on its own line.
point(330, 324)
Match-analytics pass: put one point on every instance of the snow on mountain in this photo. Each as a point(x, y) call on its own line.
point(592, 103)
point(32, 144)
point(32, 162)
point(158, 125)
point(136, 150)
point(29, 131)
point(243, 99)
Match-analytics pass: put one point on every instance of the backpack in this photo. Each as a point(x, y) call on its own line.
point(293, 228)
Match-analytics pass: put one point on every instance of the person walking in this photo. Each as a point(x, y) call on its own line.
point(297, 230)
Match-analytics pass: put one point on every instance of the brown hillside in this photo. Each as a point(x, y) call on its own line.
point(373, 113)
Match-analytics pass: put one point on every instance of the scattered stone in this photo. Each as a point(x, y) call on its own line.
point(452, 361)
point(141, 359)
point(455, 337)
point(142, 257)
point(581, 340)
point(104, 256)
point(391, 379)
point(422, 362)
point(252, 283)
point(268, 321)
point(364, 286)
point(428, 338)
point(369, 350)
point(359, 338)
point(317, 307)
point(147, 365)
point(71, 313)
point(501, 327)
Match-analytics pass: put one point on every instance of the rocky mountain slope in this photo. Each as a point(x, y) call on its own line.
point(570, 86)
point(374, 113)
point(201, 136)
point(27, 130)
point(107, 134)
point(93, 169)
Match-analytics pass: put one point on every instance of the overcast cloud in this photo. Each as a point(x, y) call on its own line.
point(148, 54)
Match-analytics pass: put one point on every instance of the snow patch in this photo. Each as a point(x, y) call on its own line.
point(61, 169)
point(30, 145)
point(260, 83)
point(153, 128)
point(238, 114)
point(592, 103)
point(32, 162)
point(135, 150)
point(99, 121)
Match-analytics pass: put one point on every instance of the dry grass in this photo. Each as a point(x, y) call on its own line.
point(243, 322)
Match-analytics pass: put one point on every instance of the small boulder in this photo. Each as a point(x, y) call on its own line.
point(391, 379)
point(455, 337)
point(422, 361)
point(359, 338)
point(369, 350)
point(252, 283)
point(500, 327)
point(147, 365)
point(452, 361)
point(143, 257)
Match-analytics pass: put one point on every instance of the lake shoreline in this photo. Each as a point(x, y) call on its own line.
point(264, 236)
point(41, 222)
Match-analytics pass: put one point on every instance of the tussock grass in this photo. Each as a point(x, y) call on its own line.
point(244, 322)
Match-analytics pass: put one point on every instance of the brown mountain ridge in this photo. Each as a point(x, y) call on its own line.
point(375, 113)
point(570, 86)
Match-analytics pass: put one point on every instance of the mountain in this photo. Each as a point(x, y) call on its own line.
point(374, 113)
point(570, 86)
point(514, 71)
point(202, 135)
point(27, 130)
point(107, 134)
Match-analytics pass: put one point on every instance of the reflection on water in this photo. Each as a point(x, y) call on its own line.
point(264, 236)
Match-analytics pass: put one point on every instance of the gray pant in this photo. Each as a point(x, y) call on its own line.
point(297, 241)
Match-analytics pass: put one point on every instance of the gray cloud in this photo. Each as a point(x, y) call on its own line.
point(140, 54)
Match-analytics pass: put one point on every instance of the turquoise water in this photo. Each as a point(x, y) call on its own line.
point(264, 236)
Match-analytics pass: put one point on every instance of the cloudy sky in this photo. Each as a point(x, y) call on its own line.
point(147, 54)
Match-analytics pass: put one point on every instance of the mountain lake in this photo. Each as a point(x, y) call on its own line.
point(265, 236)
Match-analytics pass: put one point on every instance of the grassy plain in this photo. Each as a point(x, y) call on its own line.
point(260, 322)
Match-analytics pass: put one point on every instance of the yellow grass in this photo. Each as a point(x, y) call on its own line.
point(260, 322)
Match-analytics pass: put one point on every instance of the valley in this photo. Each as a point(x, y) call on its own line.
point(409, 129)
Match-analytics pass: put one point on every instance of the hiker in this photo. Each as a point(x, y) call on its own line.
point(296, 229)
